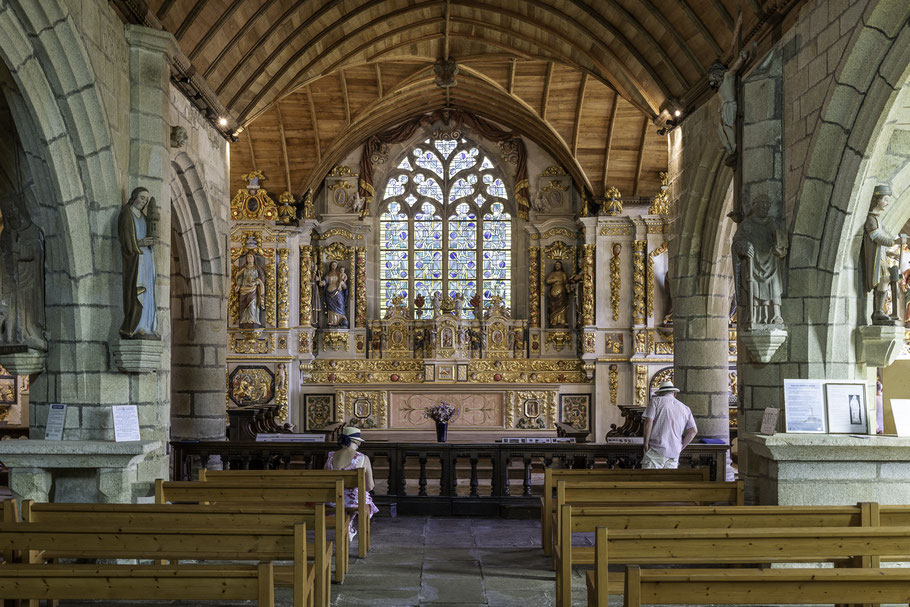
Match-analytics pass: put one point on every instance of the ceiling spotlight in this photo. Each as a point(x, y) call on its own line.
point(677, 113)
point(235, 138)
point(222, 121)
point(661, 131)
point(184, 80)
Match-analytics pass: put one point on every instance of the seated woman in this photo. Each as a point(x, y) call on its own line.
point(348, 458)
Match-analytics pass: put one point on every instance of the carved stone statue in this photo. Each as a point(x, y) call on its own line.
point(759, 246)
point(560, 286)
point(250, 292)
point(878, 274)
point(22, 306)
point(436, 302)
point(139, 319)
point(309, 207)
point(723, 79)
point(540, 203)
point(179, 137)
point(336, 296)
point(458, 301)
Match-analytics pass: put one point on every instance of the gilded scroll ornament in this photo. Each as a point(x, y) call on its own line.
point(560, 250)
point(587, 305)
point(615, 280)
point(253, 202)
point(534, 287)
point(531, 410)
point(554, 171)
point(336, 252)
point(557, 340)
point(270, 292)
point(341, 171)
point(613, 230)
point(335, 340)
point(306, 286)
point(559, 232)
point(281, 391)
point(304, 343)
point(660, 205)
point(614, 383)
point(363, 408)
point(638, 282)
point(284, 300)
point(613, 204)
point(641, 385)
point(590, 343)
point(340, 232)
point(360, 288)
point(614, 343)
point(252, 343)
point(652, 279)
point(287, 210)
point(665, 374)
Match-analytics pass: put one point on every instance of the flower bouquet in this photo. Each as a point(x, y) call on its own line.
point(442, 413)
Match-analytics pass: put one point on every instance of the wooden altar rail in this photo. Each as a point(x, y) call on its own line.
point(441, 478)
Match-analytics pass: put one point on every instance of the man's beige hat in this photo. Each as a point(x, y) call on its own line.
point(667, 386)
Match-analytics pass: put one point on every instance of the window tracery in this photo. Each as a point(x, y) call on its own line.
point(445, 225)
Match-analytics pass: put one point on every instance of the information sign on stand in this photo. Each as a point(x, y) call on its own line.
point(56, 418)
point(126, 423)
point(804, 405)
point(769, 421)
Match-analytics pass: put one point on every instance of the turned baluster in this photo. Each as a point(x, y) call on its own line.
point(422, 481)
point(526, 484)
point(474, 475)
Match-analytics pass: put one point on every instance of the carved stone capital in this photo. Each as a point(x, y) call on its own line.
point(26, 361)
point(137, 355)
point(762, 341)
point(878, 344)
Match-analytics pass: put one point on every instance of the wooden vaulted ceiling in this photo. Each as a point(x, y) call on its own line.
point(583, 78)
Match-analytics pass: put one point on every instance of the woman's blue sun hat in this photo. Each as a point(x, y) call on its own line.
point(352, 433)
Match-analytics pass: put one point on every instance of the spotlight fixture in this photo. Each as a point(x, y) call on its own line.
point(677, 113)
point(184, 80)
point(661, 131)
point(234, 139)
point(222, 121)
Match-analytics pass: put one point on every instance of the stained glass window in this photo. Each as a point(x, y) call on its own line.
point(445, 227)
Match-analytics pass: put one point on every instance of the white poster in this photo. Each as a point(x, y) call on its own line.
point(900, 409)
point(56, 417)
point(846, 407)
point(804, 405)
point(126, 423)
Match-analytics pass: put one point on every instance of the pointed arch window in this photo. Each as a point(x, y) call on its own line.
point(445, 226)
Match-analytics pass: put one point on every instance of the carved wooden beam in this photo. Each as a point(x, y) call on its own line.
point(344, 96)
point(309, 96)
point(249, 140)
point(512, 77)
point(215, 29)
point(379, 81)
point(190, 18)
point(700, 25)
point(641, 154)
point(610, 138)
point(545, 96)
point(284, 145)
point(578, 108)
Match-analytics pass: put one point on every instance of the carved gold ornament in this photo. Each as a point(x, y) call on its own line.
point(252, 343)
point(638, 282)
point(340, 232)
point(614, 383)
point(660, 205)
point(531, 410)
point(554, 171)
point(665, 374)
point(253, 204)
point(534, 287)
point(284, 300)
point(641, 385)
point(641, 342)
point(306, 286)
point(335, 340)
point(652, 279)
point(363, 408)
point(304, 343)
point(613, 230)
point(557, 340)
point(615, 280)
point(341, 171)
point(287, 211)
point(587, 304)
point(336, 252)
point(590, 343)
point(614, 343)
point(360, 288)
point(559, 232)
point(560, 250)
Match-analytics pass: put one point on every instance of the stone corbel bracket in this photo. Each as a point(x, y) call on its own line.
point(137, 355)
point(25, 361)
point(762, 341)
point(877, 345)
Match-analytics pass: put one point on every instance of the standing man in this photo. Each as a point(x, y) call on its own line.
point(669, 427)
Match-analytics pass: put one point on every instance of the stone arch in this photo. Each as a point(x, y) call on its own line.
point(198, 328)
point(836, 187)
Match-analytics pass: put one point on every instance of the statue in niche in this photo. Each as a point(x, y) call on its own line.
point(540, 203)
point(723, 79)
point(878, 274)
point(22, 305)
point(179, 137)
point(560, 286)
point(136, 242)
point(250, 292)
point(335, 296)
point(759, 246)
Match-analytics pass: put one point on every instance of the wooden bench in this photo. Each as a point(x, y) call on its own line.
point(353, 479)
point(864, 585)
point(265, 495)
point(122, 582)
point(39, 540)
point(156, 516)
point(640, 493)
point(618, 475)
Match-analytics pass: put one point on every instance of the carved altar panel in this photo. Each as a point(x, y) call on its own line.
point(363, 408)
point(474, 410)
point(531, 409)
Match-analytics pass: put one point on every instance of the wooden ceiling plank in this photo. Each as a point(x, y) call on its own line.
point(641, 154)
point(284, 145)
point(164, 9)
point(545, 97)
point(215, 29)
point(309, 96)
point(379, 81)
point(512, 66)
point(241, 33)
point(578, 109)
point(190, 18)
point(693, 17)
point(610, 131)
point(344, 96)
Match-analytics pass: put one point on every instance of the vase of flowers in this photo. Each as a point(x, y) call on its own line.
point(442, 414)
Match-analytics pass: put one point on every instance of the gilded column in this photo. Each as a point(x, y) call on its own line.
point(360, 311)
point(587, 308)
point(638, 282)
point(614, 383)
point(615, 279)
point(534, 286)
point(306, 285)
point(284, 300)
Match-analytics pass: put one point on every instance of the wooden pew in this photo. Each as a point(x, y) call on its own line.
point(265, 495)
point(353, 479)
point(157, 516)
point(176, 543)
point(617, 475)
point(754, 586)
point(640, 493)
point(123, 582)
point(588, 519)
